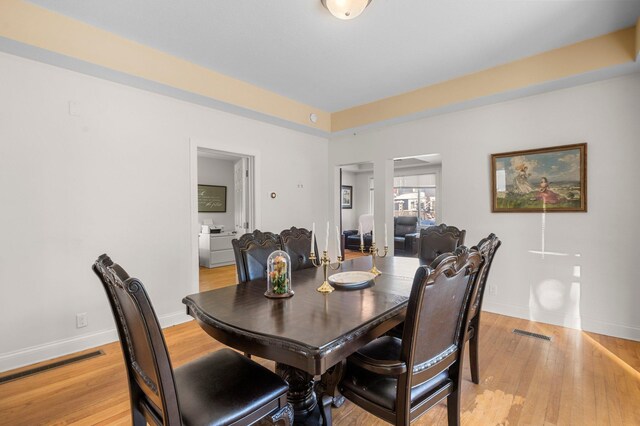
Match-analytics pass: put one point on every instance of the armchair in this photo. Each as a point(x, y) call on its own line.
point(405, 235)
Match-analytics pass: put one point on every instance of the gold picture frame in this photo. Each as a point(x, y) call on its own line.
point(540, 180)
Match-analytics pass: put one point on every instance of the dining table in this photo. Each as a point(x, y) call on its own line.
point(308, 335)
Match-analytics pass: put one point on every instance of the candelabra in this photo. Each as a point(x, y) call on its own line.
point(374, 252)
point(325, 262)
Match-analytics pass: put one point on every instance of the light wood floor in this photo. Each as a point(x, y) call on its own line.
point(576, 379)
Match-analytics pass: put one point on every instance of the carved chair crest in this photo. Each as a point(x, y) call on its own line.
point(258, 238)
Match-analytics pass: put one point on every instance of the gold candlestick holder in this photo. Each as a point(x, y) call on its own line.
point(374, 252)
point(325, 262)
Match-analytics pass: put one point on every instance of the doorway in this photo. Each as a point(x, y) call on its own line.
point(225, 199)
point(356, 205)
point(416, 198)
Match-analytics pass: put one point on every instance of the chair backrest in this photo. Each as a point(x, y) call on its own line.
point(251, 252)
point(487, 247)
point(404, 225)
point(433, 335)
point(366, 220)
point(436, 240)
point(297, 243)
point(150, 375)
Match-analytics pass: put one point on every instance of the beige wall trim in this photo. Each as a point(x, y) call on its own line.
point(609, 50)
point(35, 26)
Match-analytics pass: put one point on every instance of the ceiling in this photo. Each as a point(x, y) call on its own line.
point(297, 49)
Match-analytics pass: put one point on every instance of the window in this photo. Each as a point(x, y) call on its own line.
point(415, 196)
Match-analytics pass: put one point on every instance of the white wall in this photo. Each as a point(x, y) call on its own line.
point(603, 298)
point(214, 171)
point(116, 178)
point(361, 196)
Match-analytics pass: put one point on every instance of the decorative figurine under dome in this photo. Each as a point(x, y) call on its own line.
point(279, 275)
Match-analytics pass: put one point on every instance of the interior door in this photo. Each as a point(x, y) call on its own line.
point(241, 204)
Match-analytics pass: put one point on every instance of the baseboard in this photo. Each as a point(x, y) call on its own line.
point(39, 353)
point(578, 323)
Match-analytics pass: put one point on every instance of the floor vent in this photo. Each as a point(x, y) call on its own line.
point(530, 334)
point(47, 367)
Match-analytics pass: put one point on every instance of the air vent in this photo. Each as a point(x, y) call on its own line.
point(48, 367)
point(530, 334)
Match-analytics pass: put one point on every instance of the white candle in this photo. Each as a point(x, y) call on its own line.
point(338, 239)
point(373, 232)
point(386, 242)
point(326, 241)
point(360, 232)
point(313, 235)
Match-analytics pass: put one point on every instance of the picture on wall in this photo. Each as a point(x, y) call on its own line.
point(540, 180)
point(347, 196)
point(212, 199)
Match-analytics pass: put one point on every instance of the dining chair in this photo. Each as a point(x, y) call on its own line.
point(251, 252)
point(436, 240)
point(398, 380)
point(221, 388)
point(297, 243)
point(487, 247)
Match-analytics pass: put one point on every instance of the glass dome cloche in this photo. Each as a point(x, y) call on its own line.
point(278, 275)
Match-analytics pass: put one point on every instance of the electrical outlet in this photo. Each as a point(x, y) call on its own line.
point(493, 290)
point(81, 320)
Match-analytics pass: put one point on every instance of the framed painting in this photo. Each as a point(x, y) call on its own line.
point(347, 197)
point(212, 199)
point(540, 180)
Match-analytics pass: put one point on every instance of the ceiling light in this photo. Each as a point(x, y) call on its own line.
point(346, 9)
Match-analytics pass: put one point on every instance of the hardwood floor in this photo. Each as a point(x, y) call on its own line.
point(578, 378)
point(219, 277)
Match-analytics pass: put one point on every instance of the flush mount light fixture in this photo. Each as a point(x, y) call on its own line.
point(346, 9)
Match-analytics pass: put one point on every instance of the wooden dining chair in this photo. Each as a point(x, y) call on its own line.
point(297, 243)
point(251, 252)
point(221, 388)
point(436, 240)
point(398, 380)
point(487, 247)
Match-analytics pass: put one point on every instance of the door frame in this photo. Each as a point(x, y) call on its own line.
point(254, 205)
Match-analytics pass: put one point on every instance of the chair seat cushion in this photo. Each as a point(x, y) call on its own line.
point(223, 387)
point(380, 389)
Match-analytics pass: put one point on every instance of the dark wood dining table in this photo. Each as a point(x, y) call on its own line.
point(310, 334)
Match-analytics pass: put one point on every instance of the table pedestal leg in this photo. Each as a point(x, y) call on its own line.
point(301, 395)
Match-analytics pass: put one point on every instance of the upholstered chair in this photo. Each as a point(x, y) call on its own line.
point(297, 243)
point(487, 247)
point(222, 387)
point(436, 240)
point(398, 380)
point(405, 232)
point(251, 252)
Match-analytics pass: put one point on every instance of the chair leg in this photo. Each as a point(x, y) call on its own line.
point(473, 357)
point(137, 417)
point(453, 408)
point(325, 410)
point(283, 417)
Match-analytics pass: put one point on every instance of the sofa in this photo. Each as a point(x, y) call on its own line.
point(352, 237)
